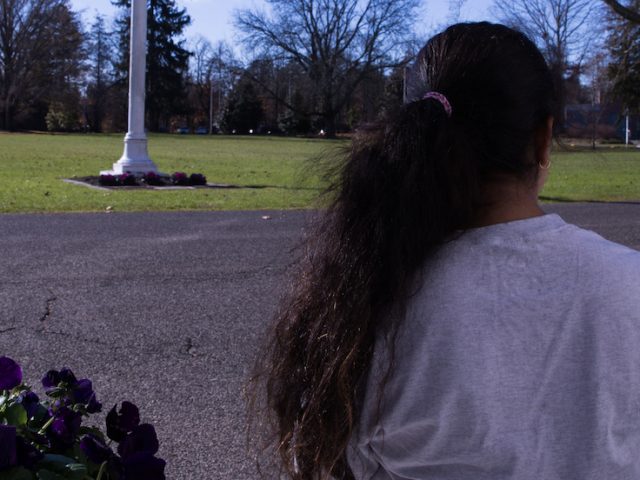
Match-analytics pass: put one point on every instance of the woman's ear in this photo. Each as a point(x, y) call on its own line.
point(543, 139)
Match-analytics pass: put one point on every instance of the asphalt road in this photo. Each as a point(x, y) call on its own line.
point(166, 310)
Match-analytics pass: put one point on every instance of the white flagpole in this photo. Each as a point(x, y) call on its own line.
point(135, 158)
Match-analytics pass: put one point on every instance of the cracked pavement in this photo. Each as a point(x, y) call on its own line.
point(166, 310)
point(49, 305)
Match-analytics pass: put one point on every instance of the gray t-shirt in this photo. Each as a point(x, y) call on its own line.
point(518, 358)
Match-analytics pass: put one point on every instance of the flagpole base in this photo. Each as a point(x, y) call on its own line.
point(135, 158)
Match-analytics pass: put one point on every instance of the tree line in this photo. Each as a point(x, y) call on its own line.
point(311, 66)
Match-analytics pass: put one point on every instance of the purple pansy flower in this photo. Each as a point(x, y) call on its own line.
point(57, 405)
point(95, 449)
point(54, 378)
point(10, 374)
point(143, 465)
point(94, 406)
point(65, 427)
point(70, 400)
point(30, 402)
point(51, 380)
point(137, 451)
point(120, 423)
point(143, 438)
point(67, 376)
point(8, 456)
point(82, 391)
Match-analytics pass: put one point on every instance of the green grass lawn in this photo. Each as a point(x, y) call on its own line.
point(608, 174)
point(32, 166)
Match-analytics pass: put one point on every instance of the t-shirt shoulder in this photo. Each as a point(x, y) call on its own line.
point(609, 253)
point(614, 269)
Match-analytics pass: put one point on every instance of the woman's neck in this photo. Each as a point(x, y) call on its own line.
point(507, 202)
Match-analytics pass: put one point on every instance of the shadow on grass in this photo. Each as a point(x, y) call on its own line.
point(258, 187)
point(94, 182)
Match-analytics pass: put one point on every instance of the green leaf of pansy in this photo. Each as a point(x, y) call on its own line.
point(57, 392)
point(57, 461)
point(48, 475)
point(93, 431)
point(75, 471)
point(64, 467)
point(16, 473)
point(16, 415)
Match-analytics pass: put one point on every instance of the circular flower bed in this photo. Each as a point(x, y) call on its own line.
point(45, 439)
point(152, 179)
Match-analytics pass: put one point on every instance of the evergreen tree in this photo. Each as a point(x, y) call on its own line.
point(244, 111)
point(167, 58)
point(61, 77)
point(100, 73)
point(292, 122)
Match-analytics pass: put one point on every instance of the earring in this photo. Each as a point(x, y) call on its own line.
point(546, 166)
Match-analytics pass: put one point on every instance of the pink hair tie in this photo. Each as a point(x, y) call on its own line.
point(442, 99)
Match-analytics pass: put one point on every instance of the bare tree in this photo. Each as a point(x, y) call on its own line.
point(26, 29)
point(623, 55)
point(222, 68)
point(202, 51)
point(337, 43)
point(598, 87)
point(212, 71)
point(455, 9)
point(624, 11)
point(559, 28)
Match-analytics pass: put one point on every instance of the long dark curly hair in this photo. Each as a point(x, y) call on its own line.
point(406, 185)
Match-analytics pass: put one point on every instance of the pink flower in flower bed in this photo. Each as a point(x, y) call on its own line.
point(127, 179)
point(152, 178)
point(180, 178)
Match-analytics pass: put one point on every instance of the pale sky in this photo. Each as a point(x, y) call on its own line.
point(213, 18)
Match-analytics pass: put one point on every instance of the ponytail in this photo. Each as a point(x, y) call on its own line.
point(406, 185)
point(393, 205)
